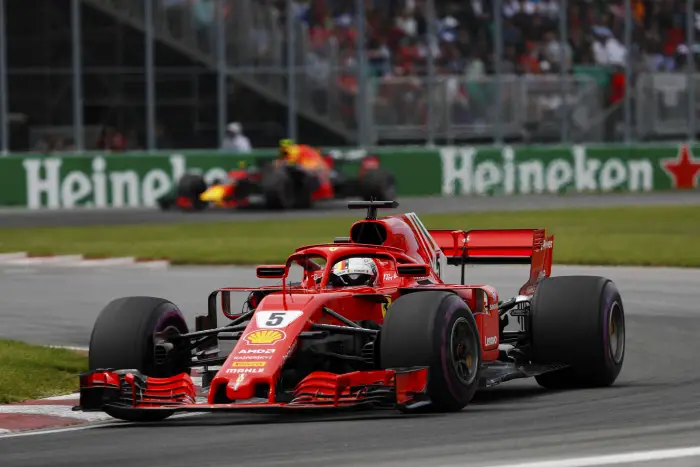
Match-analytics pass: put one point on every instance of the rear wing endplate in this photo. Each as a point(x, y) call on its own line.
point(499, 246)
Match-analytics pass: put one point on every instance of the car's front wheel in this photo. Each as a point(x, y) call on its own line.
point(435, 329)
point(124, 337)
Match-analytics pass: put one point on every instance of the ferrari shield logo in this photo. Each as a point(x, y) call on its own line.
point(238, 382)
point(385, 306)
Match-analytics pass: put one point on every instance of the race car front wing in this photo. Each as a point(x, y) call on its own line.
point(101, 390)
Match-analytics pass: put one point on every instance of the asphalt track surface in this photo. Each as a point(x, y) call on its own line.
point(654, 404)
point(76, 217)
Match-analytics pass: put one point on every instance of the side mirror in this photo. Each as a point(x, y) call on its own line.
point(271, 271)
point(413, 270)
point(226, 306)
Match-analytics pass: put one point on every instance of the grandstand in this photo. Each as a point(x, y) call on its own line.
point(113, 57)
point(461, 99)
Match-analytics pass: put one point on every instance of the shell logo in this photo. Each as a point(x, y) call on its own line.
point(265, 336)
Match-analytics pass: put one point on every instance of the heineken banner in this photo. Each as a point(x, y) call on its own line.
point(137, 180)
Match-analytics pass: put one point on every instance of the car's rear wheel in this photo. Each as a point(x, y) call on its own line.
point(435, 329)
point(123, 337)
point(578, 321)
point(278, 188)
point(305, 184)
point(378, 184)
point(191, 186)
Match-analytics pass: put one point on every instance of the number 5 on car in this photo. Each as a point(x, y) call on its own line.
point(275, 319)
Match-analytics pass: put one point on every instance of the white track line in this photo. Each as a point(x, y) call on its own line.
point(55, 430)
point(69, 347)
point(62, 398)
point(21, 258)
point(45, 260)
point(88, 426)
point(625, 458)
point(102, 262)
point(12, 256)
point(63, 411)
point(157, 264)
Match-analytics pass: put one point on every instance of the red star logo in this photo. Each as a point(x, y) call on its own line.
point(683, 169)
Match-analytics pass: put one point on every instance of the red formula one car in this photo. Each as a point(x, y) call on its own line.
point(370, 323)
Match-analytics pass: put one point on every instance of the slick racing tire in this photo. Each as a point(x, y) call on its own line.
point(191, 186)
point(123, 338)
point(277, 187)
point(434, 329)
point(377, 184)
point(578, 321)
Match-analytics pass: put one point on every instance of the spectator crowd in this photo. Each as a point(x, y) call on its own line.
point(400, 40)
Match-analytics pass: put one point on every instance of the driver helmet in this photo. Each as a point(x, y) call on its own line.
point(356, 272)
point(287, 148)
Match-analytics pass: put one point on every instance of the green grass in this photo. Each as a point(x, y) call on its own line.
point(653, 236)
point(33, 372)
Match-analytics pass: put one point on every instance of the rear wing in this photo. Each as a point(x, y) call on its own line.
point(499, 246)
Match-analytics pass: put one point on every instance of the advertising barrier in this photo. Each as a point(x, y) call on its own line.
point(136, 180)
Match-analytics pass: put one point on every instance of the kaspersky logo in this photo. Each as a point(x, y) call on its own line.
point(265, 336)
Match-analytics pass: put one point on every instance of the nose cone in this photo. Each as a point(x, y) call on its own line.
point(254, 364)
point(214, 194)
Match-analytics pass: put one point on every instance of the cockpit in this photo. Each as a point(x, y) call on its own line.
point(354, 269)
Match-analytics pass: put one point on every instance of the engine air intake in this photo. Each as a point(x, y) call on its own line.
point(369, 233)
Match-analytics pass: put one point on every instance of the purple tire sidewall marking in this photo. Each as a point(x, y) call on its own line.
point(171, 314)
point(444, 334)
point(165, 317)
point(445, 360)
point(608, 303)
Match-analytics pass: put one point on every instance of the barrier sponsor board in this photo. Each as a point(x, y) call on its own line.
point(133, 180)
point(513, 171)
point(137, 180)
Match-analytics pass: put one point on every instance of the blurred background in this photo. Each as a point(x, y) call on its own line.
point(125, 75)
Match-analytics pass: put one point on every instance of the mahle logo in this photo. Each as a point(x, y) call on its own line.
point(463, 175)
point(50, 185)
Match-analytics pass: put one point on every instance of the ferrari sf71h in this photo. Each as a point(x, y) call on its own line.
point(284, 183)
point(370, 324)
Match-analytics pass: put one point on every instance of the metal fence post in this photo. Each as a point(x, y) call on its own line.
point(221, 98)
point(361, 103)
point(498, 54)
point(432, 39)
point(628, 71)
point(4, 106)
point(150, 79)
point(690, 34)
point(76, 33)
point(564, 71)
point(291, 74)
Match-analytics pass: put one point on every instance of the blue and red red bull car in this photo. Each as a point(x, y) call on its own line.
point(297, 180)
